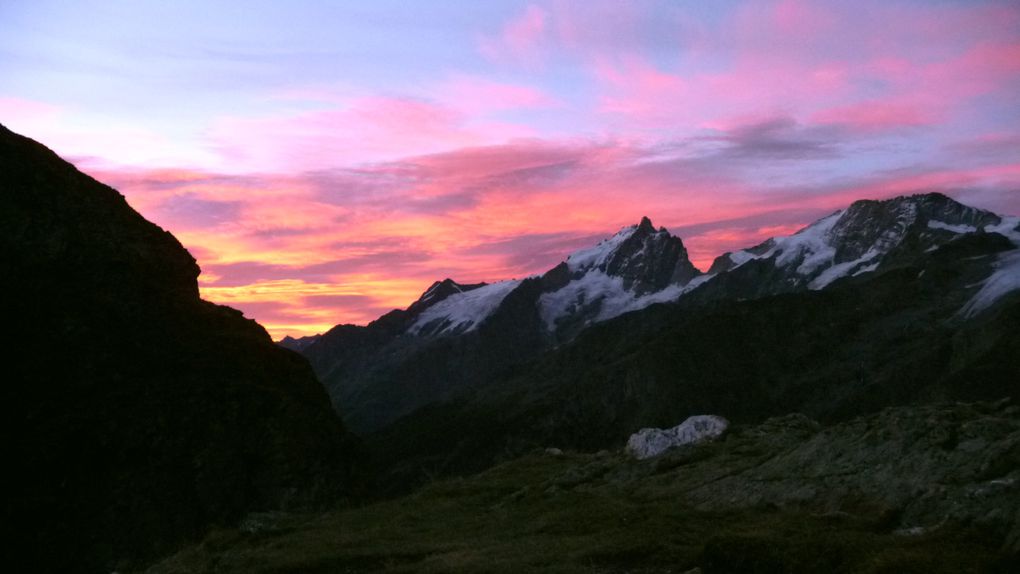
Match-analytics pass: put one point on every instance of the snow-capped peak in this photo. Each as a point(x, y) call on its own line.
point(599, 255)
point(855, 240)
point(638, 266)
point(641, 265)
point(463, 311)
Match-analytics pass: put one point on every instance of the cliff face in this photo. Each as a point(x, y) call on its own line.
point(141, 414)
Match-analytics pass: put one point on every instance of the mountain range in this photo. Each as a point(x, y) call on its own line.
point(143, 418)
point(882, 303)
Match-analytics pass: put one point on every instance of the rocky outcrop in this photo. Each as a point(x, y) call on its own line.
point(143, 414)
point(649, 442)
point(922, 467)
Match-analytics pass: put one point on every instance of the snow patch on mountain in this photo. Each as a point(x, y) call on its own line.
point(462, 312)
point(592, 288)
point(866, 269)
point(846, 268)
point(598, 256)
point(607, 293)
point(960, 228)
point(740, 257)
point(809, 245)
point(811, 253)
point(1006, 277)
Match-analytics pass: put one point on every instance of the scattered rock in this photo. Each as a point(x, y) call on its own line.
point(912, 531)
point(650, 442)
point(898, 459)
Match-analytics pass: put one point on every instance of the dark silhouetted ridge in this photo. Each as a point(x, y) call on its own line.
point(142, 415)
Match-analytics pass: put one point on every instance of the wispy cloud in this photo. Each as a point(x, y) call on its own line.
point(331, 169)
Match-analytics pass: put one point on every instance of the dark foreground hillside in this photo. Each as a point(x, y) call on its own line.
point(140, 415)
point(907, 490)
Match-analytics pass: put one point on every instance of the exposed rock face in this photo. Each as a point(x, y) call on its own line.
point(649, 442)
point(143, 414)
point(879, 226)
point(645, 258)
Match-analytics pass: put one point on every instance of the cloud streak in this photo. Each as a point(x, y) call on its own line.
point(332, 180)
point(346, 254)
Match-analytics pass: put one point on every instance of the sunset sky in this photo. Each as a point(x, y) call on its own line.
point(326, 161)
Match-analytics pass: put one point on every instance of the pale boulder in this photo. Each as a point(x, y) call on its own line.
point(650, 442)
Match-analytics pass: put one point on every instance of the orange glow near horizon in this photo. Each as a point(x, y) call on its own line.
point(330, 170)
point(304, 267)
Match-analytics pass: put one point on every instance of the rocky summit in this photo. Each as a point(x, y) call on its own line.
point(141, 415)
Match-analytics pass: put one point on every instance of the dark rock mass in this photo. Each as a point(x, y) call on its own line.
point(650, 260)
point(140, 415)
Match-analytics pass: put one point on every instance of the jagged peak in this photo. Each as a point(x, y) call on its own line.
point(439, 291)
point(600, 255)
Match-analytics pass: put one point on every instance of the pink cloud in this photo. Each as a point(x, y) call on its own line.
point(729, 132)
point(519, 40)
point(85, 136)
point(981, 69)
point(478, 95)
point(367, 129)
point(876, 116)
point(586, 30)
point(301, 253)
point(18, 112)
point(641, 94)
point(869, 70)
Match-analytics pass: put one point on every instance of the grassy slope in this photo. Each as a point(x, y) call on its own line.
point(602, 513)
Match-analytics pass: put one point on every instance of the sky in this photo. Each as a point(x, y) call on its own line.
point(325, 162)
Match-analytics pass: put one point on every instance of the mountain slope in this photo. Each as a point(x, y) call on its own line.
point(457, 340)
point(914, 489)
point(458, 337)
point(142, 414)
point(889, 338)
point(867, 236)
